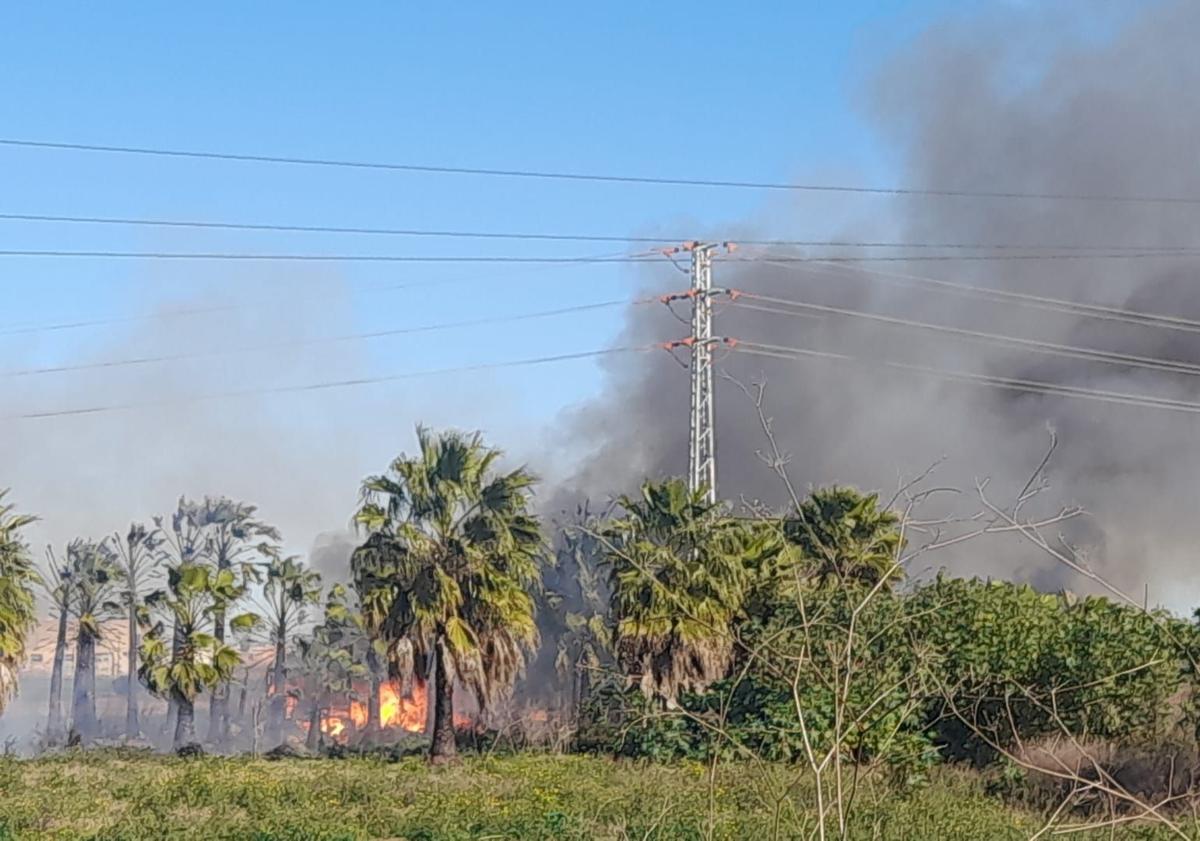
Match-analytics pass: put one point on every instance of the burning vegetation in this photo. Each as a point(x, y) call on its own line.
point(345, 719)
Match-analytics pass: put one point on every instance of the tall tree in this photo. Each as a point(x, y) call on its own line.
point(679, 572)
point(330, 663)
point(95, 589)
point(55, 580)
point(578, 601)
point(183, 545)
point(193, 660)
point(234, 539)
point(289, 590)
point(18, 608)
point(457, 555)
point(363, 619)
point(139, 561)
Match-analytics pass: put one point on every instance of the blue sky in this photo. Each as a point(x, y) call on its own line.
point(686, 89)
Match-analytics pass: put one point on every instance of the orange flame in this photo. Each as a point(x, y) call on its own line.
point(395, 711)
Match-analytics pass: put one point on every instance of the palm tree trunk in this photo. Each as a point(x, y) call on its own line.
point(185, 721)
point(218, 715)
point(83, 690)
point(314, 727)
point(374, 722)
point(132, 726)
point(443, 747)
point(173, 701)
point(278, 694)
point(54, 723)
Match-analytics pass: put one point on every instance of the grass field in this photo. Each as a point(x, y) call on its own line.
point(111, 796)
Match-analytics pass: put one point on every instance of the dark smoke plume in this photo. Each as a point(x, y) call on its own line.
point(1005, 103)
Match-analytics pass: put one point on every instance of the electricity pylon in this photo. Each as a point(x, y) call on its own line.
point(702, 442)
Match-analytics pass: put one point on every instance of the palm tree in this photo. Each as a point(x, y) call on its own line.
point(347, 627)
point(183, 545)
point(233, 537)
point(95, 588)
point(18, 608)
point(363, 619)
point(330, 667)
point(289, 589)
point(139, 561)
point(679, 571)
point(194, 660)
point(56, 583)
point(845, 537)
point(456, 555)
point(585, 632)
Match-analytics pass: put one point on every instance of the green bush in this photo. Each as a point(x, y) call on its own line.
point(1017, 659)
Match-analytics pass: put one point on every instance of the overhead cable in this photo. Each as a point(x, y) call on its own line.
point(1007, 383)
point(1042, 302)
point(543, 174)
point(289, 343)
point(1091, 354)
point(324, 385)
point(558, 237)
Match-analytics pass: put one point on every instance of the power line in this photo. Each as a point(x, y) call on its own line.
point(437, 169)
point(328, 229)
point(352, 258)
point(377, 334)
point(1008, 383)
point(967, 258)
point(1037, 346)
point(328, 384)
point(1042, 302)
point(646, 257)
point(555, 237)
point(22, 329)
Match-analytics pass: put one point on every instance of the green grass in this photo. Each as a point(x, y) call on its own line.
point(110, 796)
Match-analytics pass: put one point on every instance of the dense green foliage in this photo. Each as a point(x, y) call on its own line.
point(1018, 659)
point(181, 656)
point(679, 572)
point(845, 536)
point(960, 666)
point(825, 660)
point(127, 797)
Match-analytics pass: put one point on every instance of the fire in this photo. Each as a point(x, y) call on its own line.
point(395, 711)
point(406, 713)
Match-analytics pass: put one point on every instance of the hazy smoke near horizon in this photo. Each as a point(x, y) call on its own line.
point(1002, 102)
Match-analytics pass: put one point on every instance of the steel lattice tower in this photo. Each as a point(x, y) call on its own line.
point(702, 454)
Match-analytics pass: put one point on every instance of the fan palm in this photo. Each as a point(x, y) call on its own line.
point(183, 544)
point(55, 581)
point(845, 537)
point(18, 608)
point(331, 661)
point(679, 570)
point(453, 558)
point(233, 537)
point(585, 632)
point(365, 616)
point(95, 588)
point(193, 660)
point(348, 627)
point(289, 589)
point(138, 559)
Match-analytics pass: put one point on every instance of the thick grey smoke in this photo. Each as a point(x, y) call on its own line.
point(994, 104)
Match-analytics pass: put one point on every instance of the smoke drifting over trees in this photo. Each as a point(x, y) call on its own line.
point(1005, 102)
